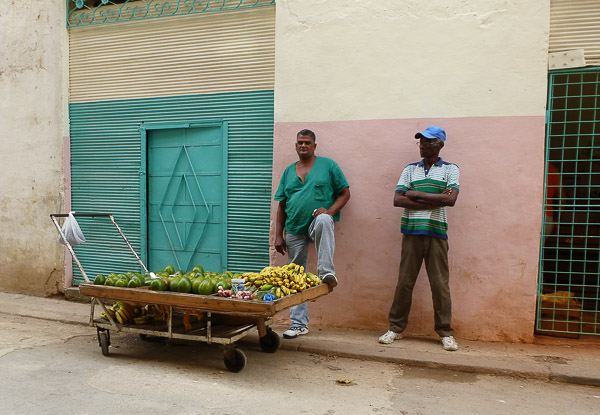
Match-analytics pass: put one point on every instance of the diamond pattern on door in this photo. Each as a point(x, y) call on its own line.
point(184, 234)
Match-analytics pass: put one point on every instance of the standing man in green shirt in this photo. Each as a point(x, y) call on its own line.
point(311, 193)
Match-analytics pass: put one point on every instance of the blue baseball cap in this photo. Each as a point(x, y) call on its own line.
point(432, 132)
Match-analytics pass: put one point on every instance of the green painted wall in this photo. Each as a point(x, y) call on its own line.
point(105, 173)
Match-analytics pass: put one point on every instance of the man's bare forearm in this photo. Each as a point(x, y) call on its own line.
point(400, 200)
point(280, 220)
point(339, 202)
point(446, 198)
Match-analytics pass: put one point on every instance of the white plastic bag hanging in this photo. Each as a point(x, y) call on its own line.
point(72, 231)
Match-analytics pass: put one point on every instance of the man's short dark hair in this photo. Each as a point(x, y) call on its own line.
point(309, 133)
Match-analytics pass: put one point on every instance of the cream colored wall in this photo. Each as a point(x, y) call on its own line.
point(388, 59)
point(32, 87)
point(367, 75)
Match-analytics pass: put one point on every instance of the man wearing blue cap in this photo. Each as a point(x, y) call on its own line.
point(424, 190)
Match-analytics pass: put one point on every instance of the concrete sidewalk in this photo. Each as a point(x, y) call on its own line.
point(555, 359)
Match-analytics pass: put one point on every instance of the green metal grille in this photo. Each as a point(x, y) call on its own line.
point(569, 286)
point(89, 12)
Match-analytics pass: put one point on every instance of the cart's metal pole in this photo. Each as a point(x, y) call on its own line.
point(208, 328)
point(92, 312)
point(110, 318)
point(85, 277)
point(170, 322)
point(128, 244)
point(70, 248)
point(93, 215)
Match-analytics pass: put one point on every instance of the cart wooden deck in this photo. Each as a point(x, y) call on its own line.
point(238, 317)
point(208, 303)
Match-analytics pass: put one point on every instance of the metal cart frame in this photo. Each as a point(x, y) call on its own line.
point(219, 320)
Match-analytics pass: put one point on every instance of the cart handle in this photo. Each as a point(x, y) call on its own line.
point(53, 216)
point(81, 215)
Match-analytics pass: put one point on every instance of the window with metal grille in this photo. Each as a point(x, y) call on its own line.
point(569, 286)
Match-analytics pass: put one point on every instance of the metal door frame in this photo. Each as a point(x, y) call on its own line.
point(143, 129)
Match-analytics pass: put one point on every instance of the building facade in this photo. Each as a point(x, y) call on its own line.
point(181, 123)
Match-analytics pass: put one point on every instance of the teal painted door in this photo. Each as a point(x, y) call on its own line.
point(186, 187)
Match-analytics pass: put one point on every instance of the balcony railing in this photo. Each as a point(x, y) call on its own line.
point(90, 12)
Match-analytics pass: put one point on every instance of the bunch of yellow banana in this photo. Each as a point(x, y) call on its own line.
point(122, 312)
point(151, 313)
point(281, 281)
point(126, 313)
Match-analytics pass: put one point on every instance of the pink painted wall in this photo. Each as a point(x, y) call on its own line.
point(494, 228)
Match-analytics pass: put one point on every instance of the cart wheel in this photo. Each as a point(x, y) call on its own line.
point(270, 342)
point(235, 359)
point(103, 339)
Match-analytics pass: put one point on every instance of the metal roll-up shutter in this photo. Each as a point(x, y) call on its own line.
point(197, 54)
point(575, 25)
point(215, 66)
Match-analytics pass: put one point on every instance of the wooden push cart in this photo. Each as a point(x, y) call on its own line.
point(204, 318)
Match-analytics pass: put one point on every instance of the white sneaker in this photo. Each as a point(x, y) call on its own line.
point(448, 343)
point(389, 337)
point(295, 332)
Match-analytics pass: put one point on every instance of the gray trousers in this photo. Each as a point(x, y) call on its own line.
point(321, 231)
point(434, 252)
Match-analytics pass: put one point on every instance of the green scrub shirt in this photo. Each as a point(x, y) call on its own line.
point(322, 186)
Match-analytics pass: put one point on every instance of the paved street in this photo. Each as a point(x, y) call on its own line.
point(49, 367)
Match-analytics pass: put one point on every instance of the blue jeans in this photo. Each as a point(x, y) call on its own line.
point(321, 231)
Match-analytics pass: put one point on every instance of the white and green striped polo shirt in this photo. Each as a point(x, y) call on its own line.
point(432, 222)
